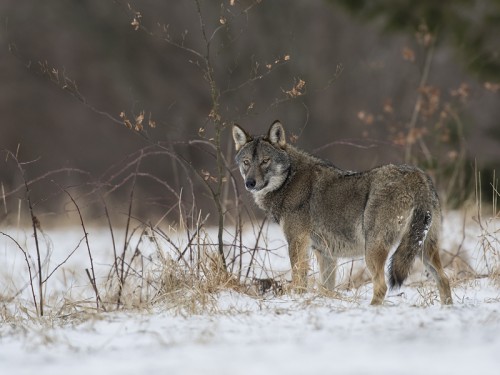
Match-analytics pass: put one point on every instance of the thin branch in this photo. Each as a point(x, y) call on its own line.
point(418, 103)
point(254, 251)
point(42, 177)
point(35, 225)
point(132, 13)
point(93, 279)
point(29, 267)
point(64, 261)
point(127, 228)
point(115, 255)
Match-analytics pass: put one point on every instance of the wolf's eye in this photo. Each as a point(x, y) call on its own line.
point(266, 161)
point(246, 162)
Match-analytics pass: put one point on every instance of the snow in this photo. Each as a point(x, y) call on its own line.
point(285, 335)
point(238, 333)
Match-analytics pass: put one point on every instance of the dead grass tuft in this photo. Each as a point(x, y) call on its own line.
point(192, 290)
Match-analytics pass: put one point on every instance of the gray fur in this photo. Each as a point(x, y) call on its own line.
point(343, 214)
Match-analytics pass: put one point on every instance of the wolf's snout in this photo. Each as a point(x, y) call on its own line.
point(250, 183)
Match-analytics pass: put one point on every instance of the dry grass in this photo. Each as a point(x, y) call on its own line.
point(191, 284)
point(180, 269)
point(191, 291)
point(186, 270)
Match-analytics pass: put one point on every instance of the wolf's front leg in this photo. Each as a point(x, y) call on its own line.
point(298, 244)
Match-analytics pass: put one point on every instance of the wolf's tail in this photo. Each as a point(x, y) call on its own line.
point(411, 244)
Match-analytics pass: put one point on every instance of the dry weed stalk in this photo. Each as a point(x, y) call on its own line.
point(190, 287)
point(428, 296)
point(122, 275)
point(91, 275)
point(490, 228)
point(28, 263)
point(35, 223)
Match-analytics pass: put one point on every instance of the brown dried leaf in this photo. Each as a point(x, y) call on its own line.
point(415, 134)
point(366, 118)
point(424, 36)
point(430, 100)
point(214, 115)
point(453, 155)
point(297, 89)
point(493, 87)
point(135, 24)
point(462, 92)
point(140, 118)
point(399, 139)
point(205, 175)
point(408, 54)
point(388, 107)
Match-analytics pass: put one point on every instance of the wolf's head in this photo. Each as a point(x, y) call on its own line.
point(263, 161)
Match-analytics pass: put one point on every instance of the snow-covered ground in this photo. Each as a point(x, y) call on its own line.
point(243, 334)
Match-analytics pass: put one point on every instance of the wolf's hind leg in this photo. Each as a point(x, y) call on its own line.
point(432, 263)
point(375, 261)
point(327, 269)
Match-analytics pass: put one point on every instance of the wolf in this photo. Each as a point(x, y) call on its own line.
point(340, 213)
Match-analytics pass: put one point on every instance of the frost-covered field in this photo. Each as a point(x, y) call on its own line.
point(283, 335)
point(243, 334)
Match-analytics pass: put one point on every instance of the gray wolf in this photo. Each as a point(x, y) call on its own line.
point(342, 213)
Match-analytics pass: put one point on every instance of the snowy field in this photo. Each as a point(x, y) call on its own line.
point(243, 333)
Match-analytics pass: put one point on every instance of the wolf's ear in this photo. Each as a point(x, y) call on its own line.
point(277, 134)
point(241, 137)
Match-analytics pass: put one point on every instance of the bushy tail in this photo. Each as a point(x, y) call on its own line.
point(411, 244)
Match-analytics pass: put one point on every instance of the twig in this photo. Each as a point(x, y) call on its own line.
point(64, 261)
point(94, 286)
point(259, 233)
point(3, 199)
point(29, 267)
point(127, 228)
point(190, 240)
point(418, 103)
point(137, 252)
point(110, 226)
point(93, 279)
point(35, 224)
point(42, 177)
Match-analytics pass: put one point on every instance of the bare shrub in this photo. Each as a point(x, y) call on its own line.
point(489, 224)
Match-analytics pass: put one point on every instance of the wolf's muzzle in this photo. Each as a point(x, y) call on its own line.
point(250, 183)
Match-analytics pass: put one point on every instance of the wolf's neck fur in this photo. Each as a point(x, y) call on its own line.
point(274, 198)
point(302, 159)
point(277, 184)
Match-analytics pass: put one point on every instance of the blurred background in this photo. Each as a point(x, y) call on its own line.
point(102, 98)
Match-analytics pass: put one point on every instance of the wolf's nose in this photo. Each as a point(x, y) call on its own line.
point(250, 183)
